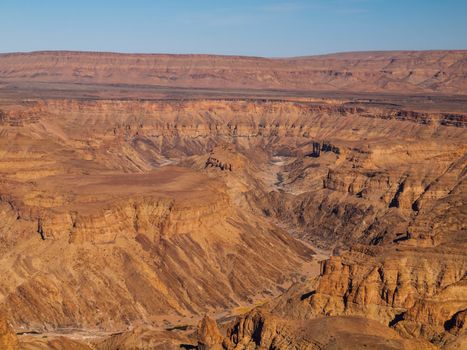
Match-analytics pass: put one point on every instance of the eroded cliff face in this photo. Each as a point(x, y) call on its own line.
point(411, 193)
point(260, 329)
point(112, 256)
point(429, 71)
point(117, 214)
point(419, 294)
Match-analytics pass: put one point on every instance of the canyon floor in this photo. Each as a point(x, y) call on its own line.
point(215, 202)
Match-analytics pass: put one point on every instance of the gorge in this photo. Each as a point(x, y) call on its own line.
point(217, 202)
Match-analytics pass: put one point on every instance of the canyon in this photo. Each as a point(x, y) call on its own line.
point(224, 202)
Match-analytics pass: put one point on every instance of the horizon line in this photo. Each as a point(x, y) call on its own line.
point(123, 53)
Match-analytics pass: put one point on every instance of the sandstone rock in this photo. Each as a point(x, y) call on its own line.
point(8, 338)
point(118, 212)
point(209, 336)
point(259, 330)
point(419, 294)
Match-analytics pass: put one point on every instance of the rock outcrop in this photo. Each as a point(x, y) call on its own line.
point(8, 338)
point(209, 336)
point(262, 330)
point(216, 163)
point(418, 293)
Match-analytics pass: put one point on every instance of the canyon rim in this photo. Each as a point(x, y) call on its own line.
point(235, 202)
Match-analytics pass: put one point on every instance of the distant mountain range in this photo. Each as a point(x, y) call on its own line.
point(441, 72)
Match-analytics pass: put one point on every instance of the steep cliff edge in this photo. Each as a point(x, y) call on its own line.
point(418, 293)
point(136, 247)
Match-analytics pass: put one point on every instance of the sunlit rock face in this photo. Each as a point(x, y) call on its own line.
point(130, 220)
point(8, 339)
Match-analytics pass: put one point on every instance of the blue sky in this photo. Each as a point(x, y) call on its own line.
point(255, 27)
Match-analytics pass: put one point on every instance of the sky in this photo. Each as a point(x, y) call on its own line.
point(275, 28)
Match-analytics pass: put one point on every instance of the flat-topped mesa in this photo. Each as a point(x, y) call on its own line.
point(409, 71)
point(106, 207)
point(125, 218)
point(168, 241)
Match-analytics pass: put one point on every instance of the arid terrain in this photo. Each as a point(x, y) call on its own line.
point(224, 202)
